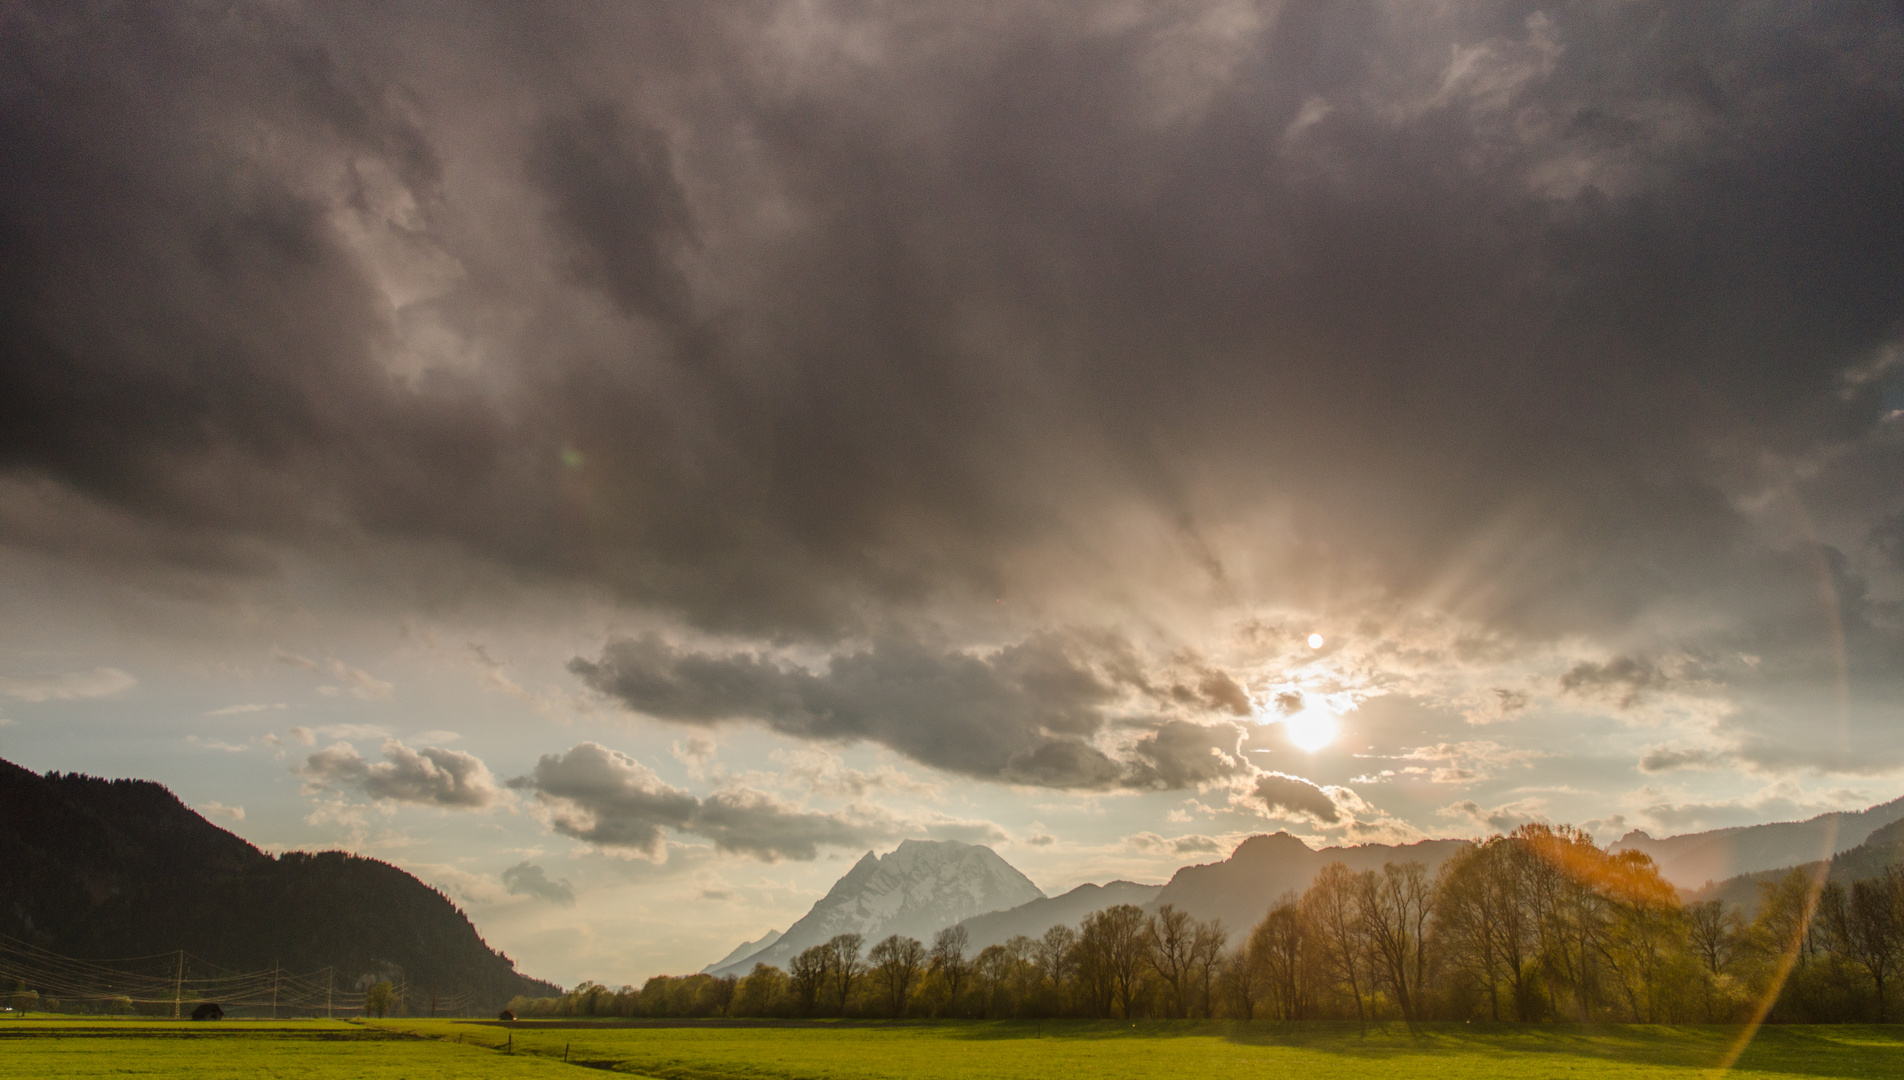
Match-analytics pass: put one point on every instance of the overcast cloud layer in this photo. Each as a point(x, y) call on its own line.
point(1012, 388)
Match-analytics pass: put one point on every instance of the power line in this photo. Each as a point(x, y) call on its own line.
point(177, 977)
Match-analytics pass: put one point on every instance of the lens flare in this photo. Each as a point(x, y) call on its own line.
point(1311, 729)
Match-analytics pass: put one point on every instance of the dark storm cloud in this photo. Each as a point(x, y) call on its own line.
point(1215, 690)
point(431, 776)
point(801, 322)
point(1669, 759)
point(1024, 713)
point(1029, 713)
point(527, 879)
point(1297, 796)
point(190, 348)
point(617, 201)
point(1624, 678)
point(1888, 537)
point(1181, 754)
point(604, 797)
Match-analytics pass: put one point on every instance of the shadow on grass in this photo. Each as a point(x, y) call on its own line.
point(1810, 1050)
point(1803, 1050)
point(181, 1030)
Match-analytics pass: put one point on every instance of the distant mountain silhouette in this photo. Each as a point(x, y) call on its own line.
point(1694, 860)
point(97, 868)
point(1241, 889)
point(743, 951)
point(1883, 848)
point(1034, 918)
point(916, 890)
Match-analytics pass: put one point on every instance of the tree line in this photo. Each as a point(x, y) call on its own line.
point(1539, 924)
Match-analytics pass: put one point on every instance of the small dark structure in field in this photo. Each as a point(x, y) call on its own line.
point(505, 1016)
point(208, 1010)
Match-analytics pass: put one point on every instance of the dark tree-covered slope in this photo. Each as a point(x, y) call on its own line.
point(110, 868)
point(1883, 848)
point(1692, 860)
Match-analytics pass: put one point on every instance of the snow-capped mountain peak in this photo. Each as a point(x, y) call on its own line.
point(916, 890)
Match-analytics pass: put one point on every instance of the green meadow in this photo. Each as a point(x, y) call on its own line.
point(229, 1050)
point(1066, 1050)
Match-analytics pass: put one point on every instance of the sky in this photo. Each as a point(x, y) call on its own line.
point(623, 462)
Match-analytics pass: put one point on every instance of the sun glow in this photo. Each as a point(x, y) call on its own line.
point(1311, 729)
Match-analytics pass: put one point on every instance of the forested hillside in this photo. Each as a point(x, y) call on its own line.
point(97, 868)
point(1882, 849)
point(1692, 859)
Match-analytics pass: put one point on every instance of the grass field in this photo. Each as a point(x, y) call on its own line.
point(429, 1049)
point(228, 1050)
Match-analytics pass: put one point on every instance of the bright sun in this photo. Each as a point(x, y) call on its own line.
point(1311, 729)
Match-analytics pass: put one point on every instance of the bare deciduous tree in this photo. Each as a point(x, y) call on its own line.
point(1170, 937)
point(897, 963)
point(808, 972)
point(1393, 909)
point(948, 957)
point(1206, 960)
point(1053, 955)
point(1329, 906)
point(1112, 942)
point(1866, 924)
point(1283, 949)
point(845, 965)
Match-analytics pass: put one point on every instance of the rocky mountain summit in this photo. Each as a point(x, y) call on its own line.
point(917, 890)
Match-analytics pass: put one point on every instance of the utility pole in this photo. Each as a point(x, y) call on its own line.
point(432, 1001)
point(178, 985)
point(274, 988)
point(330, 977)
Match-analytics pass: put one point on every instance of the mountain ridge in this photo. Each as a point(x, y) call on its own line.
point(1264, 868)
point(1034, 917)
point(1692, 860)
point(1883, 848)
point(743, 951)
